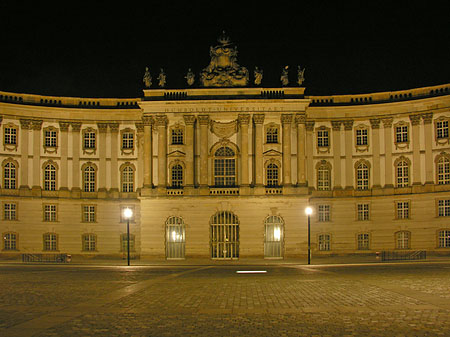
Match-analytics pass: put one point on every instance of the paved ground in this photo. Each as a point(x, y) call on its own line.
point(397, 299)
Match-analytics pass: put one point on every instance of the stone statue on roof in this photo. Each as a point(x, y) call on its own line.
point(147, 78)
point(284, 76)
point(258, 76)
point(300, 75)
point(190, 77)
point(162, 78)
point(223, 69)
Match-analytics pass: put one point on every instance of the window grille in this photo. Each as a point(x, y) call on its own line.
point(441, 129)
point(50, 242)
point(10, 136)
point(89, 179)
point(363, 212)
point(322, 138)
point(224, 236)
point(124, 243)
point(10, 241)
point(9, 211)
point(402, 210)
point(9, 176)
point(402, 240)
point(89, 139)
point(444, 239)
point(401, 134)
point(272, 135)
point(361, 137)
point(443, 171)
point(127, 179)
point(88, 213)
point(274, 237)
point(49, 212)
point(363, 241)
point(50, 138)
point(224, 167)
point(50, 178)
point(324, 242)
point(177, 136)
point(323, 212)
point(177, 175)
point(175, 238)
point(89, 242)
point(323, 178)
point(362, 177)
point(127, 140)
point(272, 175)
point(444, 207)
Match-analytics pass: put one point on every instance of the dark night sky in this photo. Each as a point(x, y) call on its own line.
point(102, 51)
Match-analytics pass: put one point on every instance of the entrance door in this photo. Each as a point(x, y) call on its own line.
point(175, 238)
point(273, 242)
point(224, 236)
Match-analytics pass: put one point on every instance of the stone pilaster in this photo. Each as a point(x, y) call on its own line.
point(147, 122)
point(244, 120)
point(203, 121)
point(286, 121)
point(309, 125)
point(387, 124)
point(114, 133)
point(25, 125)
point(337, 178)
point(415, 122)
point(428, 130)
point(300, 120)
point(161, 125)
point(140, 154)
point(375, 123)
point(189, 120)
point(76, 127)
point(102, 129)
point(36, 126)
point(349, 169)
point(64, 180)
point(258, 120)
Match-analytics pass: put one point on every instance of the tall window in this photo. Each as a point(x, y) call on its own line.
point(323, 213)
point(362, 176)
point(50, 242)
point(177, 175)
point(89, 242)
point(324, 242)
point(50, 212)
point(402, 240)
point(224, 167)
point(272, 175)
point(127, 140)
point(9, 211)
point(50, 177)
point(363, 212)
point(89, 178)
point(444, 207)
point(402, 208)
point(177, 136)
point(175, 238)
point(401, 134)
point(89, 139)
point(361, 137)
point(443, 170)
point(273, 238)
point(88, 212)
point(272, 135)
point(127, 178)
point(402, 172)
point(442, 129)
point(444, 238)
point(363, 242)
point(10, 135)
point(10, 175)
point(124, 243)
point(323, 177)
point(323, 138)
point(10, 241)
point(50, 137)
point(224, 235)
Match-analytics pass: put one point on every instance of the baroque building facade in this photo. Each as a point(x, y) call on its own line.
point(225, 170)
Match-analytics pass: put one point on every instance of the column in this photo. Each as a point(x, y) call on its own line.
point(36, 125)
point(387, 124)
point(427, 120)
point(258, 119)
point(375, 123)
point(189, 121)
point(140, 154)
point(349, 169)
point(102, 128)
point(147, 122)
point(336, 127)
point(309, 125)
point(114, 132)
point(203, 121)
point(301, 157)
point(64, 148)
point(161, 124)
point(24, 126)
point(415, 121)
point(76, 127)
point(244, 120)
point(286, 121)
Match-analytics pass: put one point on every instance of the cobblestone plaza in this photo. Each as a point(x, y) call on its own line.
point(395, 299)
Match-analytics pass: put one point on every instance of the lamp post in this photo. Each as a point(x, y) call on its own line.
point(127, 214)
point(308, 212)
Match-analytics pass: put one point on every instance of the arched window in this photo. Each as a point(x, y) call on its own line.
point(10, 175)
point(224, 235)
point(443, 170)
point(273, 238)
point(175, 238)
point(272, 175)
point(89, 178)
point(127, 178)
point(177, 175)
point(402, 240)
point(224, 167)
point(362, 176)
point(402, 173)
point(50, 177)
point(323, 176)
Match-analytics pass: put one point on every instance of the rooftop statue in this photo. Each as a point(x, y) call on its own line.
point(223, 70)
point(147, 78)
point(258, 76)
point(300, 75)
point(284, 76)
point(162, 79)
point(190, 77)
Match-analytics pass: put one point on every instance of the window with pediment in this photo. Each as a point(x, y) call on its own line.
point(362, 175)
point(127, 173)
point(443, 169)
point(323, 169)
point(323, 139)
point(273, 173)
point(402, 171)
point(401, 134)
point(224, 167)
point(127, 138)
point(441, 125)
point(176, 170)
point(10, 174)
point(89, 171)
point(89, 140)
point(361, 138)
point(272, 133)
point(50, 143)
point(50, 175)
point(10, 136)
point(177, 135)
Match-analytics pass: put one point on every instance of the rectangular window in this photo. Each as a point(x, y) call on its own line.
point(272, 135)
point(10, 241)
point(127, 140)
point(441, 129)
point(444, 239)
point(401, 134)
point(50, 242)
point(49, 212)
point(89, 140)
point(324, 242)
point(363, 241)
point(323, 212)
point(124, 241)
point(322, 138)
point(89, 242)
point(402, 209)
point(10, 136)
point(444, 207)
point(89, 213)
point(177, 136)
point(402, 240)
point(50, 137)
point(361, 137)
point(9, 211)
point(363, 212)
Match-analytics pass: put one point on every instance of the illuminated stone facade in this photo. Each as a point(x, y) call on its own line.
point(226, 172)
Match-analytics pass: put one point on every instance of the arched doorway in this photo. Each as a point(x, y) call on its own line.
point(224, 235)
point(175, 238)
point(273, 237)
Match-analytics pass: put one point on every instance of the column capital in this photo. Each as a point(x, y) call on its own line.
point(427, 118)
point(189, 119)
point(415, 119)
point(76, 126)
point(287, 118)
point(203, 119)
point(258, 118)
point(114, 126)
point(244, 119)
point(64, 125)
point(161, 120)
point(348, 124)
point(387, 122)
point(375, 123)
point(300, 118)
point(139, 127)
point(336, 125)
point(25, 123)
point(310, 125)
point(102, 127)
point(147, 120)
point(36, 124)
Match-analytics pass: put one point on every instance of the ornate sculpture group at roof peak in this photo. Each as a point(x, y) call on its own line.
point(223, 70)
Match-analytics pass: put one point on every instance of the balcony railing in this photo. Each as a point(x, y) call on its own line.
point(224, 190)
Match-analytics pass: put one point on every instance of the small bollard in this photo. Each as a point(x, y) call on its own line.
point(378, 255)
point(69, 258)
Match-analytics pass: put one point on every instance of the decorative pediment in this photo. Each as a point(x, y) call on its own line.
point(176, 153)
point(272, 153)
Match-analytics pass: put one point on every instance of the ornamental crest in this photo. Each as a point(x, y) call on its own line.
point(224, 130)
point(223, 70)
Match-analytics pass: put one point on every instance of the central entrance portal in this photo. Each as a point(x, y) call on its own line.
point(224, 236)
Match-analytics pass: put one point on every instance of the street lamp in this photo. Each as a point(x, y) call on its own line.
point(127, 214)
point(308, 212)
